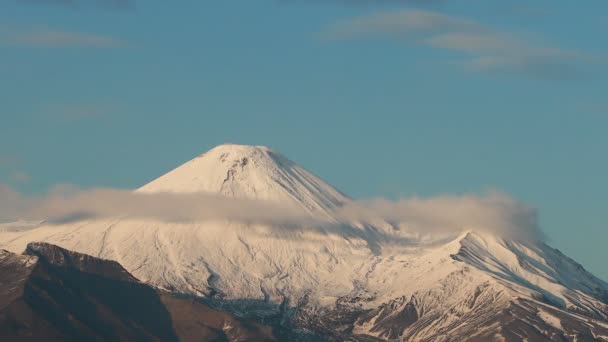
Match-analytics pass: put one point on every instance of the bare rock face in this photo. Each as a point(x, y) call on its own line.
point(53, 294)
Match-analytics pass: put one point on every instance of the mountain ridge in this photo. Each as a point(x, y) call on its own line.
point(62, 295)
point(347, 280)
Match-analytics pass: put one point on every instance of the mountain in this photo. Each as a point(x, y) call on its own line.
point(342, 280)
point(53, 294)
point(251, 172)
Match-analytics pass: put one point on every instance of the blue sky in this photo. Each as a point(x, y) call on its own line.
point(379, 98)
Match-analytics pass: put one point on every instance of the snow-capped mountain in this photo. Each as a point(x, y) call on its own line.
point(343, 280)
point(250, 172)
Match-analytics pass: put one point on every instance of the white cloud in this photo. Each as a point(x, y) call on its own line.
point(484, 49)
point(66, 203)
point(400, 23)
point(493, 213)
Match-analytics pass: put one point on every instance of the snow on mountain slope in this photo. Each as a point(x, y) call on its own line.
point(251, 172)
point(343, 279)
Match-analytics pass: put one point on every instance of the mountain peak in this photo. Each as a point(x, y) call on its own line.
point(250, 172)
point(263, 156)
point(238, 148)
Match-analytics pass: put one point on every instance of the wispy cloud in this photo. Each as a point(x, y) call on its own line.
point(76, 112)
point(8, 162)
point(21, 177)
point(367, 2)
point(109, 4)
point(81, 113)
point(10, 167)
point(57, 39)
point(484, 48)
point(526, 10)
point(400, 23)
point(68, 203)
point(494, 213)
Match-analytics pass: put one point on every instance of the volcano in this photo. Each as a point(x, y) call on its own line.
point(346, 280)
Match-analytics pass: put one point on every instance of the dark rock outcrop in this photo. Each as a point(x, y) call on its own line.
point(53, 294)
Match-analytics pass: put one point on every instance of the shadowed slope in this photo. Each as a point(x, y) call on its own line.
point(53, 294)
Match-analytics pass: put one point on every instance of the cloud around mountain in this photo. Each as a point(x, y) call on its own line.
point(494, 212)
